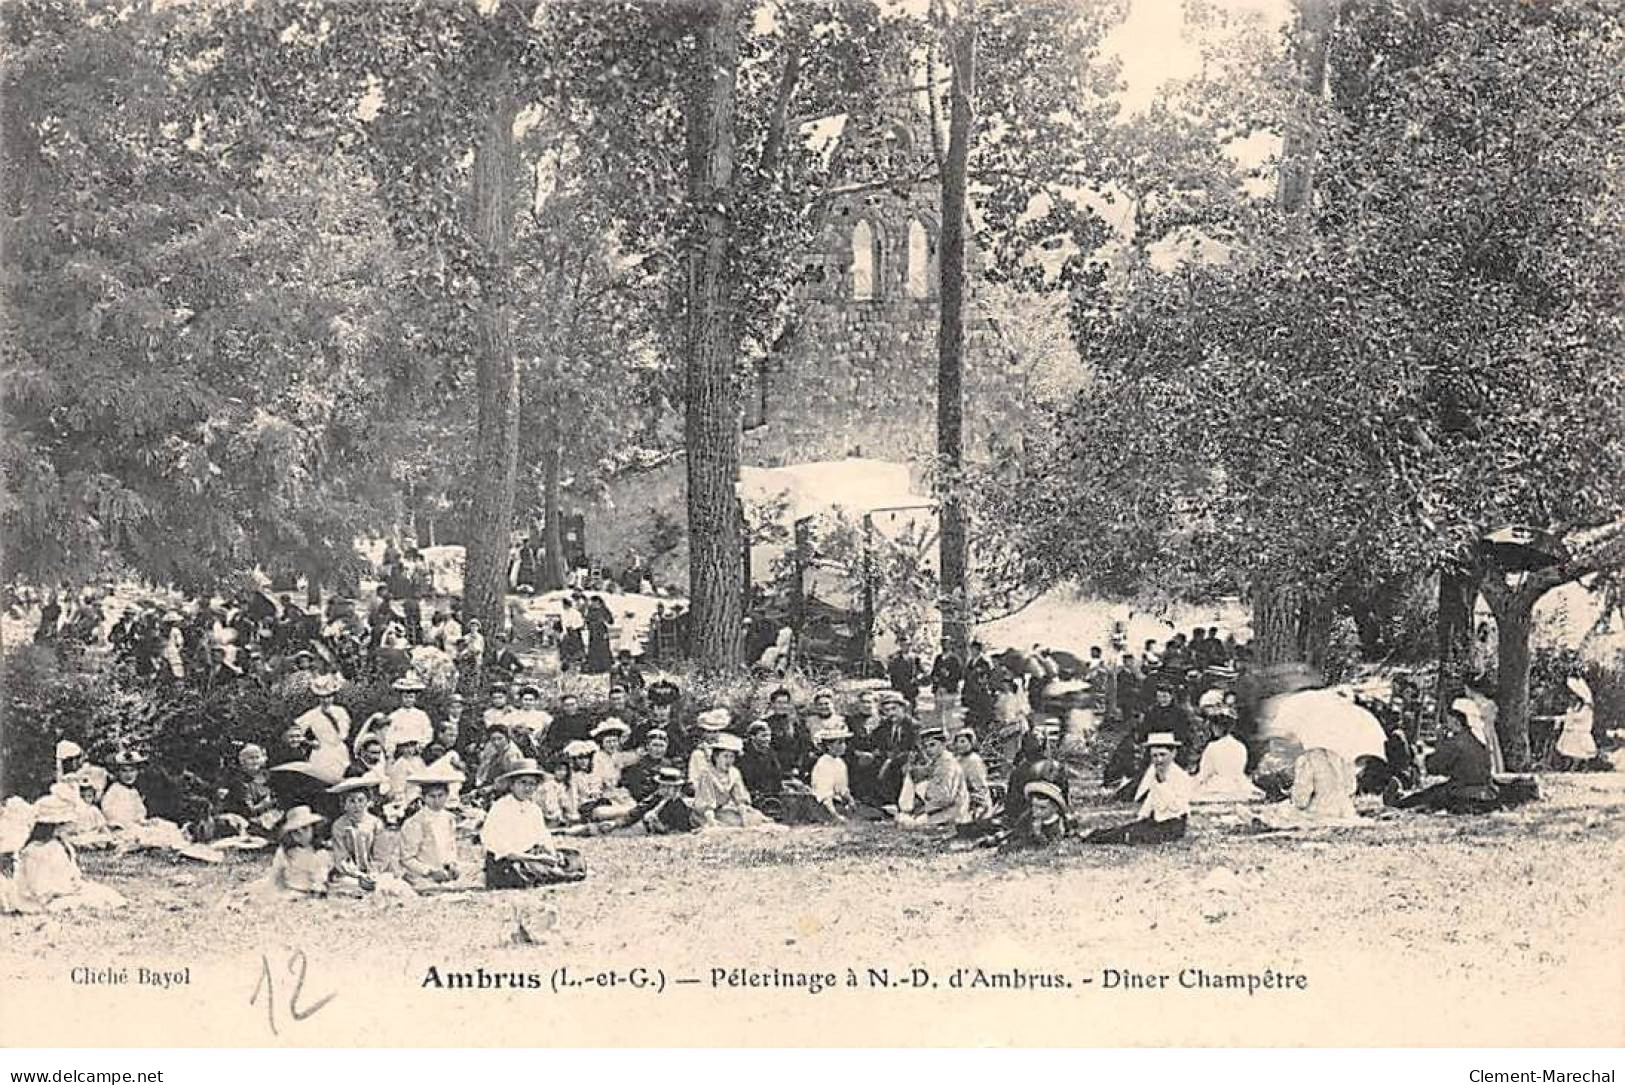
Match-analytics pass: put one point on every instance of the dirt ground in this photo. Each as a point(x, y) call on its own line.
point(1417, 929)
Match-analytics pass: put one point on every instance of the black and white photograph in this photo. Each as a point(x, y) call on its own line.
point(813, 523)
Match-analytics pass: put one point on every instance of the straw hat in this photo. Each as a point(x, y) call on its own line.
point(66, 749)
point(933, 733)
point(1162, 738)
point(670, 774)
point(298, 818)
point(1046, 789)
point(831, 734)
point(713, 719)
point(54, 810)
point(725, 741)
point(611, 725)
point(579, 747)
point(353, 783)
point(435, 774)
point(526, 766)
point(409, 683)
point(128, 759)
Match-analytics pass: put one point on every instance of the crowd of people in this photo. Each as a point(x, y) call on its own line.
point(993, 751)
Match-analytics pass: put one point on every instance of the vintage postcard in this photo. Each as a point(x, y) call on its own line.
point(812, 523)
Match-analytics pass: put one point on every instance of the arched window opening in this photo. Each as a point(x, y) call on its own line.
point(919, 260)
point(865, 262)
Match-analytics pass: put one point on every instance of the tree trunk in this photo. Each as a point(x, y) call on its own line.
point(496, 441)
point(1458, 591)
point(954, 544)
point(711, 422)
point(1514, 618)
point(1291, 633)
point(553, 570)
point(1311, 34)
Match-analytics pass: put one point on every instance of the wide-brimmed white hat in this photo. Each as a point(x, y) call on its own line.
point(438, 773)
point(725, 741)
point(409, 683)
point(54, 810)
point(353, 783)
point(611, 725)
point(298, 818)
point(68, 748)
point(831, 734)
point(579, 747)
point(1162, 738)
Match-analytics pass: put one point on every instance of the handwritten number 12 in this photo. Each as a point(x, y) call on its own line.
point(297, 966)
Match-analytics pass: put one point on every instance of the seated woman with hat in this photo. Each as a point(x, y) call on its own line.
point(1463, 760)
point(1165, 799)
point(1322, 793)
point(720, 795)
point(249, 793)
point(831, 781)
point(711, 723)
point(594, 796)
point(519, 850)
point(429, 837)
point(612, 758)
point(975, 769)
point(1221, 776)
point(48, 874)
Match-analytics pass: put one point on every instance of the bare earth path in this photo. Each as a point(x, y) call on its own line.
point(1416, 930)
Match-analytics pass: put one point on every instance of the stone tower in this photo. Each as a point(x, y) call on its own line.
point(857, 375)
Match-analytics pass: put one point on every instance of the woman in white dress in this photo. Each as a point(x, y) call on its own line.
point(1221, 776)
point(1576, 741)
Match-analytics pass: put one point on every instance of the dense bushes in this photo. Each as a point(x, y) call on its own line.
point(194, 736)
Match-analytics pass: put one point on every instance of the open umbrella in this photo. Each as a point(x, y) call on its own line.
point(1321, 718)
point(1518, 548)
point(1066, 662)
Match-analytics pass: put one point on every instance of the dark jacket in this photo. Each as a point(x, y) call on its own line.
point(1463, 759)
point(762, 773)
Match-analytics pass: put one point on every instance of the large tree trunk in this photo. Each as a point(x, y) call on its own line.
point(552, 571)
point(1514, 610)
point(954, 544)
point(711, 424)
point(1458, 592)
point(496, 441)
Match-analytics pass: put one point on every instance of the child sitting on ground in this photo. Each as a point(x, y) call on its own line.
point(48, 874)
point(360, 863)
point(299, 868)
point(429, 837)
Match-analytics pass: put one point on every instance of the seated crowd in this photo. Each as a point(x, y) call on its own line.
point(381, 807)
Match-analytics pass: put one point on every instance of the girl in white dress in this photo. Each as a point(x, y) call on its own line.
point(48, 875)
